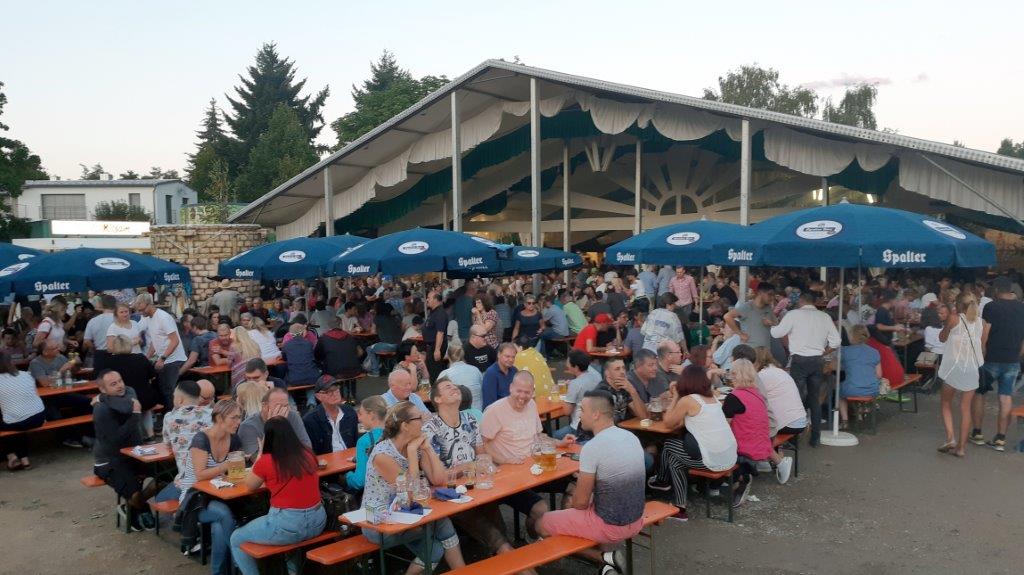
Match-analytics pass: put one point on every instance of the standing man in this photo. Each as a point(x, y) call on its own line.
point(227, 300)
point(811, 333)
point(498, 377)
point(608, 503)
point(464, 309)
point(663, 324)
point(434, 330)
point(664, 277)
point(332, 425)
point(650, 283)
point(752, 319)
point(95, 338)
point(164, 343)
point(1003, 342)
point(685, 289)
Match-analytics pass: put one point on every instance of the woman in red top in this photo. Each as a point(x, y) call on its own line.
point(288, 469)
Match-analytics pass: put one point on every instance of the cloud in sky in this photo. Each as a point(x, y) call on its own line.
point(846, 80)
point(920, 78)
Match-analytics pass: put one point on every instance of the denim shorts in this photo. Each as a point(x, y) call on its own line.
point(1002, 374)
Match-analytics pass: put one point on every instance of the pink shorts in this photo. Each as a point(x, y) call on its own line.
point(585, 523)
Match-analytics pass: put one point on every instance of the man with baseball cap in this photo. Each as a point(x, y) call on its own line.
point(332, 425)
point(586, 340)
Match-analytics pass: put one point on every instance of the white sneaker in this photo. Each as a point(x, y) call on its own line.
point(785, 468)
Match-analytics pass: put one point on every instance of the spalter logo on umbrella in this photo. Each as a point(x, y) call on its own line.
point(945, 229)
point(413, 248)
point(683, 238)
point(623, 257)
point(819, 230)
point(13, 268)
point(23, 257)
point(527, 253)
point(114, 264)
point(292, 256)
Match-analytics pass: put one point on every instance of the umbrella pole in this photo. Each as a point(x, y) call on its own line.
point(839, 438)
point(700, 304)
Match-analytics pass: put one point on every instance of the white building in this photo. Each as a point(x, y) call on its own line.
point(77, 199)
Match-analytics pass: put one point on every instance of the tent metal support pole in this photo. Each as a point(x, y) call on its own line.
point(535, 236)
point(456, 165)
point(328, 217)
point(824, 202)
point(637, 190)
point(744, 200)
point(566, 232)
point(984, 198)
point(444, 212)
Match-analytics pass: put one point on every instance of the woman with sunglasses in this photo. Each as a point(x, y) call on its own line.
point(403, 450)
point(526, 322)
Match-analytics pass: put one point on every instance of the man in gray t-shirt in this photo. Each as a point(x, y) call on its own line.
point(754, 317)
point(608, 504)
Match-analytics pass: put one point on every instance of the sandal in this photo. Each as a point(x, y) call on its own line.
point(15, 465)
point(947, 447)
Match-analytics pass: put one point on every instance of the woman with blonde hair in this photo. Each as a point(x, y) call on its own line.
point(243, 348)
point(961, 358)
point(249, 395)
point(126, 326)
point(265, 339)
point(51, 327)
point(747, 412)
point(862, 367)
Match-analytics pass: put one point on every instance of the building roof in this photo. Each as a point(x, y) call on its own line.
point(98, 183)
point(495, 81)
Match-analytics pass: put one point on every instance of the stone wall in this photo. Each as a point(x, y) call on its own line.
point(1009, 249)
point(202, 247)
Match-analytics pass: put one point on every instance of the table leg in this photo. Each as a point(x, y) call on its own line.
point(428, 542)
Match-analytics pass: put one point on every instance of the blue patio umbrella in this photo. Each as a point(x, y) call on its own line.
point(682, 244)
point(12, 254)
point(297, 258)
point(528, 260)
point(848, 235)
point(420, 250)
point(83, 269)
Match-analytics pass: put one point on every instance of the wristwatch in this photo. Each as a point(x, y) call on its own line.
point(161, 358)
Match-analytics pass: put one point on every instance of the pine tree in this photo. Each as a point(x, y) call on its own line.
point(270, 83)
point(281, 152)
point(389, 90)
point(212, 130)
point(213, 154)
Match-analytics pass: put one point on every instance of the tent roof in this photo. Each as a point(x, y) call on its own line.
point(496, 80)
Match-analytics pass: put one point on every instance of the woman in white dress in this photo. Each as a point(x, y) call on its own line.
point(961, 358)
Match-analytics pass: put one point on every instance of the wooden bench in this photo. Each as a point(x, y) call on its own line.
point(56, 424)
point(165, 507)
point(261, 552)
point(1018, 412)
point(92, 481)
point(792, 442)
point(708, 476)
point(868, 403)
point(564, 343)
point(387, 361)
point(342, 551)
point(908, 379)
point(542, 552)
point(655, 512)
point(348, 387)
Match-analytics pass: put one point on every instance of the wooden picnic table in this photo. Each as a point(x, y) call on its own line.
point(603, 353)
point(906, 341)
point(655, 427)
point(163, 453)
point(548, 409)
point(338, 462)
point(226, 368)
point(81, 386)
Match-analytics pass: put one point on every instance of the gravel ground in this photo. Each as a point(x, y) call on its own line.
point(890, 505)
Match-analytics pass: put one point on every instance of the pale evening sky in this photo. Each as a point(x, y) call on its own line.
point(125, 83)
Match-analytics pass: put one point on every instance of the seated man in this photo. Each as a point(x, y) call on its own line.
point(371, 414)
point(199, 345)
point(332, 425)
point(585, 378)
point(256, 370)
point(645, 377)
point(477, 352)
point(586, 340)
point(274, 404)
point(410, 359)
point(625, 399)
point(670, 360)
point(510, 426)
point(220, 347)
point(401, 386)
point(180, 425)
point(47, 369)
point(498, 377)
point(339, 352)
point(117, 421)
point(608, 502)
point(456, 439)
point(634, 339)
point(207, 393)
point(49, 366)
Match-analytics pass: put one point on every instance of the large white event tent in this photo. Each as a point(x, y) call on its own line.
point(566, 161)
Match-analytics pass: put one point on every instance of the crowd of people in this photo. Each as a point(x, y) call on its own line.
point(464, 364)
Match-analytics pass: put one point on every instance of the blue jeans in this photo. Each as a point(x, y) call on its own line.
point(548, 333)
point(444, 537)
point(222, 524)
point(1003, 375)
point(279, 527)
point(372, 363)
point(561, 432)
point(170, 492)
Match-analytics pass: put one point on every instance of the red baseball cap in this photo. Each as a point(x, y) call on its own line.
point(603, 318)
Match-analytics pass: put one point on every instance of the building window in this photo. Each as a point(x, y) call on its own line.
point(63, 207)
point(169, 209)
point(135, 199)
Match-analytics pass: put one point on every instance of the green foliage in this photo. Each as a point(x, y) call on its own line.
point(281, 152)
point(120, 211)
point(389, 90)
point(17, 164)
point(1010, 148)
point(157, 173)
point(129, 175)
point(271, 83)
point(758, 87)
point(94, 173)
point(12, 227)
point(213, 155)
point(855, 109)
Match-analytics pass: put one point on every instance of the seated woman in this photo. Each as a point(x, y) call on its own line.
point(243, 348)
point(371, 414)
point(403, 450)
point(705, 442)
point(22, 410)
point(138, 373)
point(786, 412)
point(289, 471)
point(722, 346)
point(265, 339)
point(747, 412)
point(862, 366)
point(209, 459)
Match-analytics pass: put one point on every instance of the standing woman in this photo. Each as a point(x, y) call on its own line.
point(485, 315)
point(289, 471)
point(126, 326)
point(961, 358)
point(22, 410)
point(404, 450)
point(51, 328)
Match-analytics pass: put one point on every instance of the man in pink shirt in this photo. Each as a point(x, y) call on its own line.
point(684, 288)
